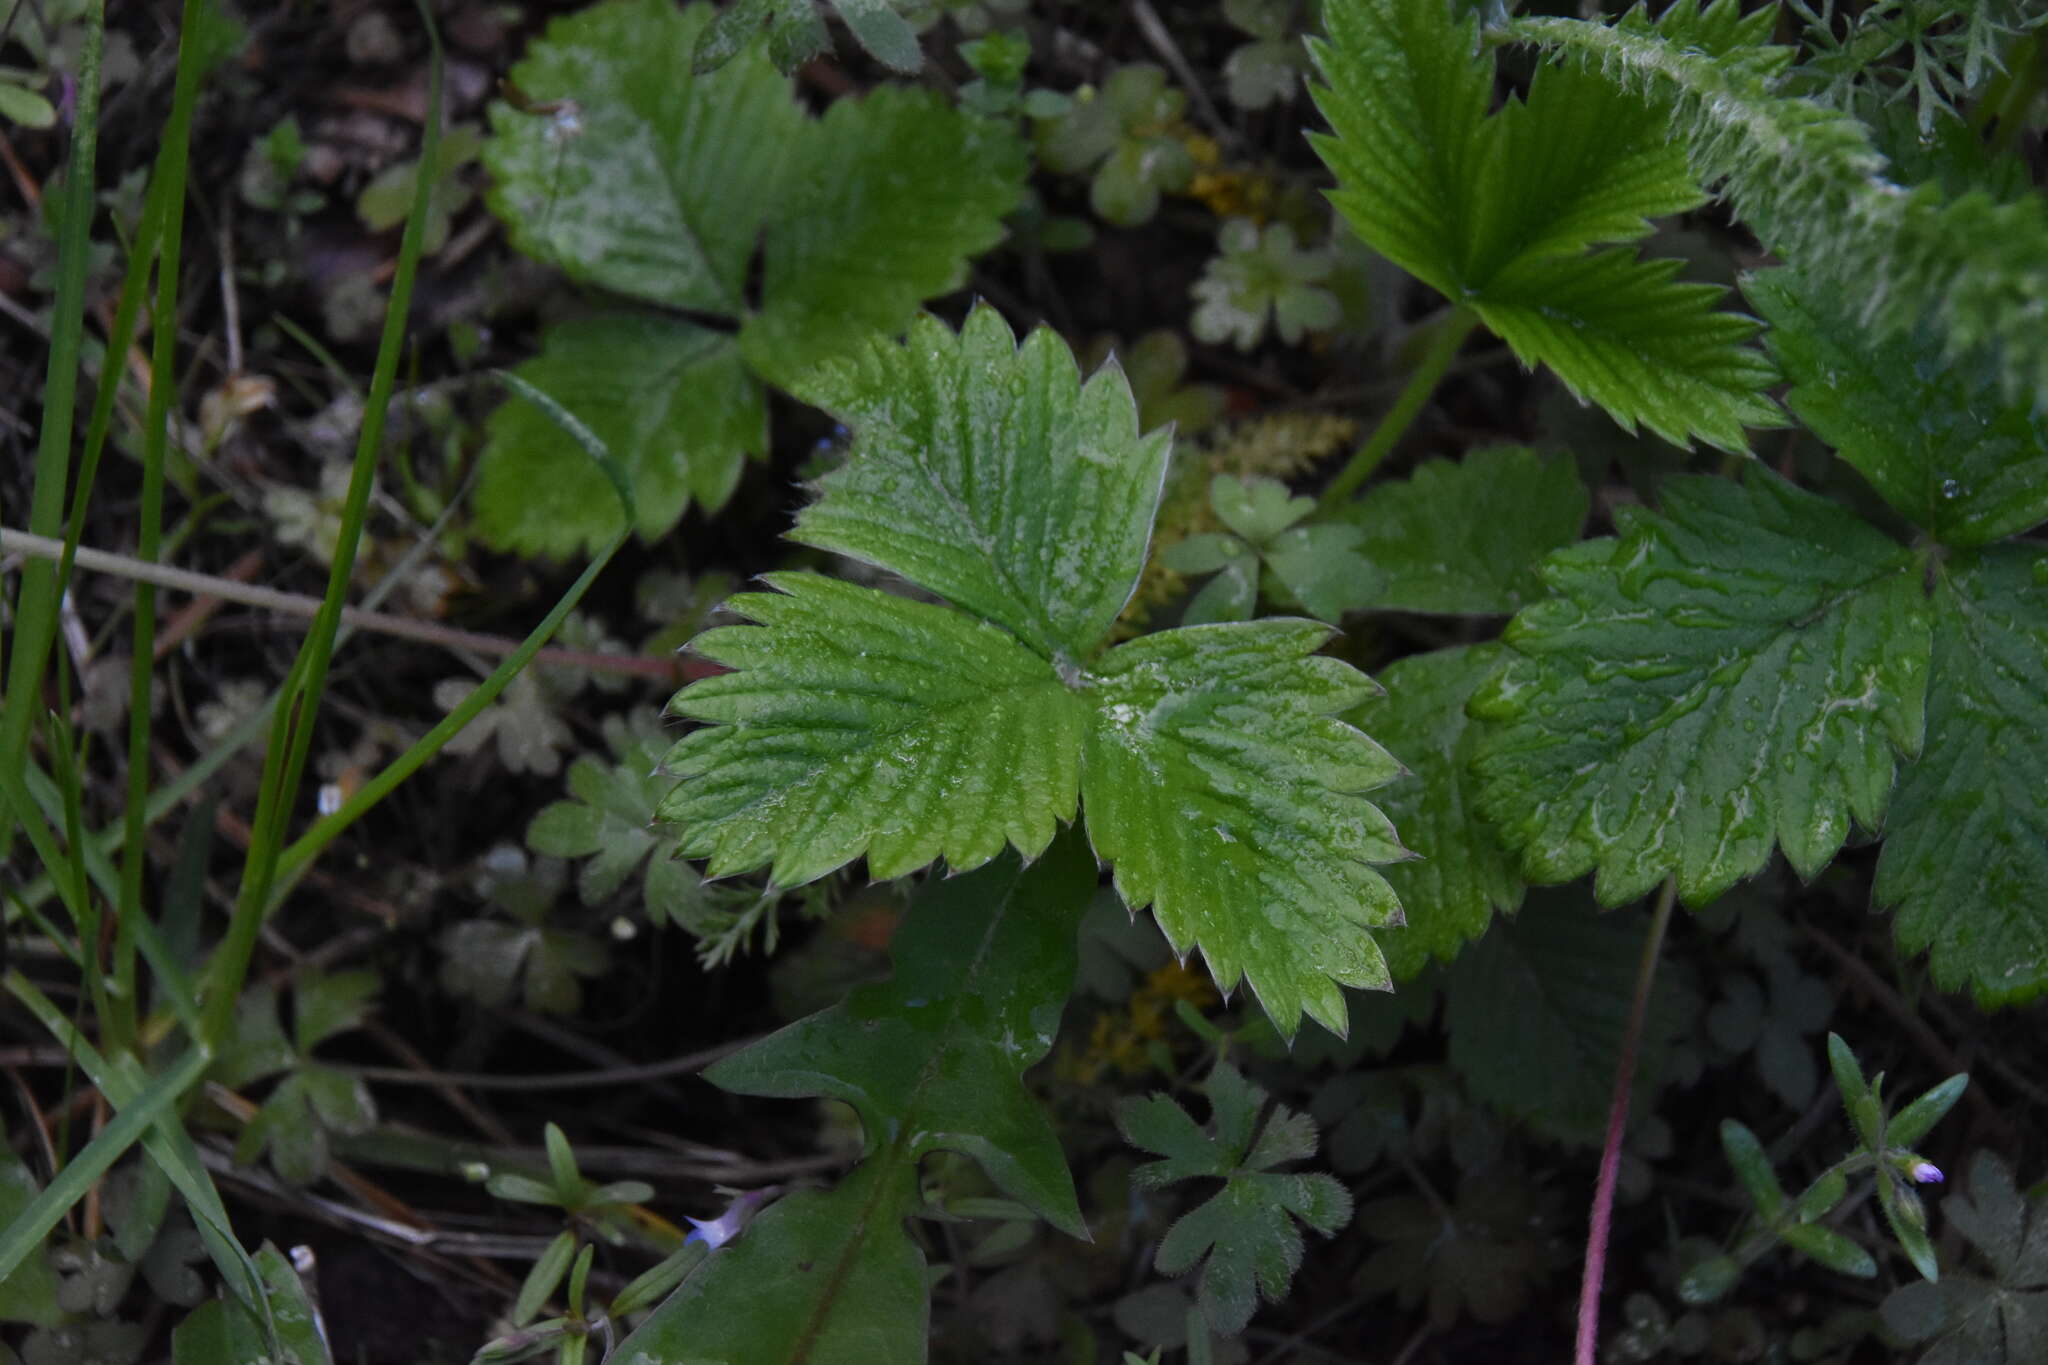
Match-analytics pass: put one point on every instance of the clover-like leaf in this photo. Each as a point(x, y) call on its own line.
point(1125, 134)
point(1481, 1256)
point(1972, 1320)
point(1965, 856)
point(609, 820)
point(1462, 873)
point(1736, 672)
point(1467, 536)
point(660, 185)
point(1934, 436)
point(491, 961)
point(1261, 276)
point(1245, 1235)
point(1498, 213)
point(1210, 763)
point(312, 1100)
point(796, 33)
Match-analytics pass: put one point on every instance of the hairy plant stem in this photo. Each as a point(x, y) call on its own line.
point(1602, 1216)
point(1442, 349)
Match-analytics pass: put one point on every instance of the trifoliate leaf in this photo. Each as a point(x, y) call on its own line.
point(1733, 672)
point(1124, 133)
point(1215, 773)
point(1219, 783)
point(1965, 856)
point(672, 401)
point(1256, 508)
point(1247, 1230)
point(648, 181)
point(661, 186)
point(1537, 1008)
point(1463, 874)
point(1933, 436)
point(530, 736)
point(1467, 536)
point(933, 1058)
point(1260, 275)
point(609, 820)
point(889, 197)
point(1498, 213)
point(1972, 1320)
point(859, 722)
point(312, 1100)
point(989, 473)
point(490, 961)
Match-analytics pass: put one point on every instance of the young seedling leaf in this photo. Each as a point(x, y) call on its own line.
point(609, 820)
point(1466, 537)
point(1462, 874)
point(1965, 856)
point(672, 400)
point(858, 722)
point(1934, 437)
point(1733, 673)
point(933, 1059)
point(1246, 1234)
point(991, 474)
point(1498, 214)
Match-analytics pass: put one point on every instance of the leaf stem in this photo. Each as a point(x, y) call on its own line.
point(1451, 330)
point(1602, 1216)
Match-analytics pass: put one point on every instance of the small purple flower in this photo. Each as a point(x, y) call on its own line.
point(716, 1232)
point(1925, 1173)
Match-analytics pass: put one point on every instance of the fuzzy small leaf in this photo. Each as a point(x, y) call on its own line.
point(989, 473)
point(1933, 436)
point(1247, 1230)
point(933, 1058)
point(858, 722)
point(1466, 537)
point(1733, 673)
point(1965, 856)
point(1462, 874)
point(818, 1278)
point(1218, 781)
point(672, 401)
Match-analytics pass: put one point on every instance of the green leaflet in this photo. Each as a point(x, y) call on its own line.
point(1537, 1008)
point(1463, 874)
point(1965, 856)
point(1497, 213)
point(1733, 672)
point(672, 400)
point(1465, 536)
point(933, 1061)
point(1932, 437)
point(1246, 1234)
point(1209, 761)
point(1220, 785)
point(660, 186)
point(861, 723)
point(987, 472)
point(796, 33)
